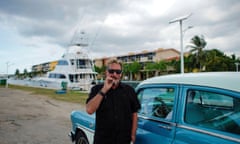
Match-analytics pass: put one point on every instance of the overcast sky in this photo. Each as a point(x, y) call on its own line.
point(38, 31)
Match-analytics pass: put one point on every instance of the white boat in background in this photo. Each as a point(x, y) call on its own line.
point(75, 68)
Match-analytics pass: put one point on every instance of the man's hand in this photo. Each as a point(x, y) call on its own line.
point(108, 83)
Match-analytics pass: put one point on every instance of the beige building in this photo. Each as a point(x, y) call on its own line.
point(44, 67)
point(142, 57)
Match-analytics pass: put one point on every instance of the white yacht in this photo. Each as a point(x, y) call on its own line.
point(75, 68)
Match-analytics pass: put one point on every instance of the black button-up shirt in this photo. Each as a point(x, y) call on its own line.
point(114, 115)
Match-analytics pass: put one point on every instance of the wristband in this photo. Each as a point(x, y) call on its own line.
point(101, 93)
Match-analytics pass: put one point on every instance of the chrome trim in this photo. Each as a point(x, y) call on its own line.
point(72, 136)
point(165, 127)
point(210, 133)
point(85, 128)
point(158, 120)
point(144, 117)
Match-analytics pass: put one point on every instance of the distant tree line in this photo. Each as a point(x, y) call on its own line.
point(27, 74)
point(208, 60)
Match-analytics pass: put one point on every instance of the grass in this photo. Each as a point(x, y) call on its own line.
point(70, 96)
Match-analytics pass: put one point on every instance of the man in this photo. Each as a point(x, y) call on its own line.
point(116, 107)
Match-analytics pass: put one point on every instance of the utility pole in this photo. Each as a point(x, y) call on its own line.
point(8, 64)
point(236, 63)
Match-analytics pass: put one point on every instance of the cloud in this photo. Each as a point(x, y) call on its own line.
point(39, 31)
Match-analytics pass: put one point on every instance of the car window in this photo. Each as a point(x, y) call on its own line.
point(213, 110)
point(157, 102)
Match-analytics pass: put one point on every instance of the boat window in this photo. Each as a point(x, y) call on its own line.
point(93, 76)
point(61, 76)
point(51, 75)
point(72, 61)
point(81, 63)
point(62, 62)
point(71, 78)
point(54, 75)
point(76, 78)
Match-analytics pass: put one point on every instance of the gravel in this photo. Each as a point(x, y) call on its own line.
point(34, 119)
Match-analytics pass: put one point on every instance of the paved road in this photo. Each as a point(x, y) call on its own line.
point(33, 119)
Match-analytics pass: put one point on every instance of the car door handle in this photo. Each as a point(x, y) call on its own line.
point(165, 127)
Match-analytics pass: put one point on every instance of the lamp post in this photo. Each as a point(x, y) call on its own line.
point(237, 63)
point(8, 64)
point(180, 20)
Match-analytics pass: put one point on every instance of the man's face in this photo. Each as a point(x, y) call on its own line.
point(114, 70)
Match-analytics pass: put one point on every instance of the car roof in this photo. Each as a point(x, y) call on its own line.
point(225, 80)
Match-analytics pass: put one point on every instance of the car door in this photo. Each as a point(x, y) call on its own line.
point(156, 119)
point(208, 115)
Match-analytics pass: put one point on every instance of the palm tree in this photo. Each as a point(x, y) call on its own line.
point(215, 60)
point(17, 73)
point(25, 73)
point(156, 67)
point(100, 70)
point(197, 45)
point(161, 66)
point(150, 67)
point(134, 68)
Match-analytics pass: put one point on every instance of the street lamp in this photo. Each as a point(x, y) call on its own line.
point(8, 64)
point(237, 63)
point(189, 27)
point(180, 20)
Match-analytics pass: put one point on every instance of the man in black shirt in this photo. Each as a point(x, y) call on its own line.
point(116, 107)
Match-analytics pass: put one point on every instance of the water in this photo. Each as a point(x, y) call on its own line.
point(53, 85)
point(34, 83)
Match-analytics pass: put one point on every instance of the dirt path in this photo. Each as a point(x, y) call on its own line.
point(33, 119)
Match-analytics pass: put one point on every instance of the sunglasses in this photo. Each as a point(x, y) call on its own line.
point(111, 71)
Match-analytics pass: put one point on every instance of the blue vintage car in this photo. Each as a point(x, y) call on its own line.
point(195, 108)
